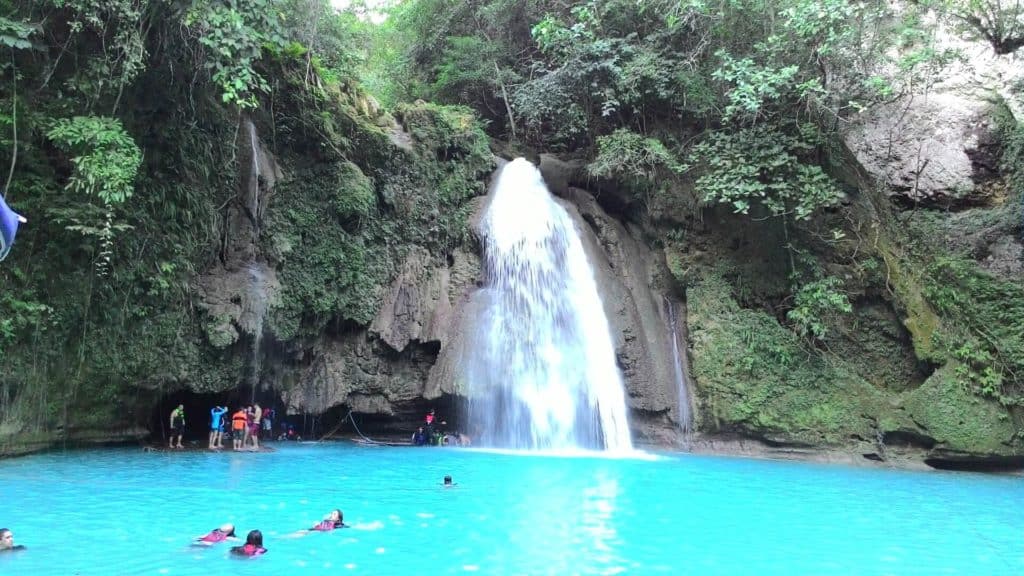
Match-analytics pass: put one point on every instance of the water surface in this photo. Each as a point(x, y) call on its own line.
point(122, 511)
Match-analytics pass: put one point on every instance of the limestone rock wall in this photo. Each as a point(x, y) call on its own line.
point(936, 144)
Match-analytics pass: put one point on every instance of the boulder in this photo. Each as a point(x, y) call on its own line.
point(937, 144)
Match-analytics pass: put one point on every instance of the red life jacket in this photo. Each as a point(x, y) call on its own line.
point(251, 550)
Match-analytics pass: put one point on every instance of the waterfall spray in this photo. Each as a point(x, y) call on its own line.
point(544, 374)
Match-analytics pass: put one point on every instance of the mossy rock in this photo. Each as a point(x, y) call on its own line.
point(756, 376)
point(354, 197)
point(221, 333)
point(959, 420)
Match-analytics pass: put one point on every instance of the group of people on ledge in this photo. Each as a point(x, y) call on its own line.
point(247, 425)
point(254, 539)
point(433, 433)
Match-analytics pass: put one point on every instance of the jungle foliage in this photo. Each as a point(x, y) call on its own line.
point(118, 126)
point(739, 104)
point(120, 120)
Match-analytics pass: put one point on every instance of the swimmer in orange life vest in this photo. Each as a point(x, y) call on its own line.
point(253, 545)
point(238, 422)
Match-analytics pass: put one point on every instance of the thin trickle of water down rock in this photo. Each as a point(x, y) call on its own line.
point(544, 374)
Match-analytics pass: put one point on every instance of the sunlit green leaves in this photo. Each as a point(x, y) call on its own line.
point(235, 33)
point(15, 34)
point(105, 157)
point(763, 166)
point(627, 155)
point(815, 303)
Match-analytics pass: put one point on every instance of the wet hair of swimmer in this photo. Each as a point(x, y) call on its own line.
point(447, 480)
point(228, 529)
point(341, 517)
point(255, 538)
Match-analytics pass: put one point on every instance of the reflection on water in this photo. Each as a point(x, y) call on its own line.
point(598, 514)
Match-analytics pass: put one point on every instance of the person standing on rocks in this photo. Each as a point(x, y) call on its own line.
point(217, 427)
point(238, 428)
point(177, 426)
point(268, 422)
point(254, 429)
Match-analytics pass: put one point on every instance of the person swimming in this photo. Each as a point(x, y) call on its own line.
point(224, 532)
point(448, 481)
point(253, 545)
point(333, 521)
point(7, 541)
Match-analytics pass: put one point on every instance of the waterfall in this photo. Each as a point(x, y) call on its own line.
point(679, 363)
point(257, 296)
point(254, 180)
point(255, 306)
point(543, 373)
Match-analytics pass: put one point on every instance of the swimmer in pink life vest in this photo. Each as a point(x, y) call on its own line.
point(216, 535)
point(333, 521)
point(253, 545)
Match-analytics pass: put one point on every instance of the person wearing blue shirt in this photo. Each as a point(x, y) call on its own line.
point(9, 221)
point(419, 438)
point(217, 427)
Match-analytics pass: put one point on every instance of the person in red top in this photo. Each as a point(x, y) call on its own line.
point(253, 545)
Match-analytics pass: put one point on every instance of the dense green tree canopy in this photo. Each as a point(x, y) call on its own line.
point(119, 124)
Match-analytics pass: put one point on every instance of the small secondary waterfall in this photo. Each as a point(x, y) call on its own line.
point(257, 300)
point(256, 297)
point(679, 363)
point(253, 192)
point(543, 373)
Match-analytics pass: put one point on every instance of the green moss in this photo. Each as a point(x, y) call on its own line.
point(449, 132)
point(220, 333)
point(339, 246)
point(754, 375)
point(983, 326)
point(958, 419)
point(877, 347)
point(354, 197)
point(920, 319)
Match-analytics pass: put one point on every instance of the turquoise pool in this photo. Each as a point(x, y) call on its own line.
point(121, 511)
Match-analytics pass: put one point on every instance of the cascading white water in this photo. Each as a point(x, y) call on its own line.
point(679, 363)
point(254, 179)
point(254, 311)
point(543, 373)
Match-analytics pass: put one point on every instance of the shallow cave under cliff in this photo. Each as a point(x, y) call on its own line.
point(197, 412)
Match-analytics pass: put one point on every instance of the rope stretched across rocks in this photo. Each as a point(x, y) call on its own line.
point(354, 425)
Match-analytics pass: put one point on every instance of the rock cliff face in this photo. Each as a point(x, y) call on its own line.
point(636, 289)
point(938, 145)
point(415, 348)
point(927, 366)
